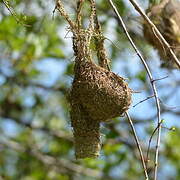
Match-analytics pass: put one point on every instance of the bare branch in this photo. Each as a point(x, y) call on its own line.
point(150, 139)
point(151, 80)
point(149, 97)
point(159, 79)
point(138, 145)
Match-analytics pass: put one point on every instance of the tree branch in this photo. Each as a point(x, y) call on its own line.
point(156, 31)
point(151, 81)
point(138, 145)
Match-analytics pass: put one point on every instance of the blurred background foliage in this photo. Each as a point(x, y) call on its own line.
point(36, 71)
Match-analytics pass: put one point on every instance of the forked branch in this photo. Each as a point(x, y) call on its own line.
point(155, 94)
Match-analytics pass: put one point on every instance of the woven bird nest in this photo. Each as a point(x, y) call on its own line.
point(166, 17)
point(86, 132)
point(97, 94)
point(103, 94)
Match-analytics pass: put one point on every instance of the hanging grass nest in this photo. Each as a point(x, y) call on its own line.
point(166, 17)
point(97, 94)
point(103, 94)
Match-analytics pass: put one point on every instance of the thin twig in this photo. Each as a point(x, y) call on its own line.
point(169, 129)
point(152, 84)
point(149, 144)
point(14, 14)
point(159, 79)
point(156, 31)
point(10, 10)
point(138, 145)
point(149, 97)
point(6, 3)
point(139, 9)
